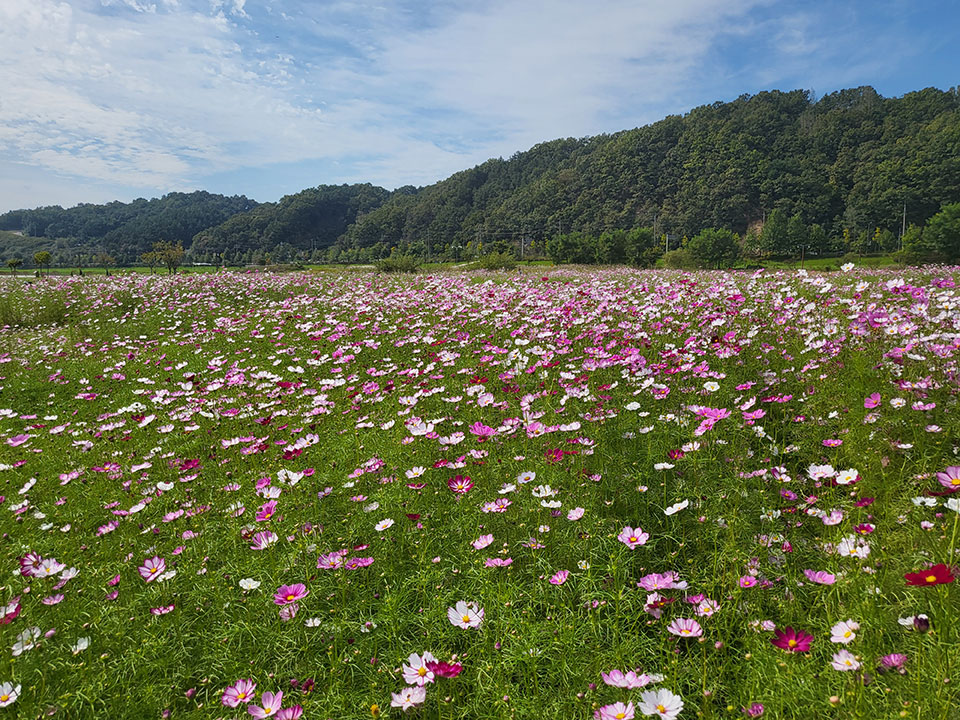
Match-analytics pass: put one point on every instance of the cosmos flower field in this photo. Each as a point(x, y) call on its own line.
point(557, 494)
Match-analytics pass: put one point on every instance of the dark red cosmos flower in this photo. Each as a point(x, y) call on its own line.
point(937, 575)
point(445, 669)
point(792, 640)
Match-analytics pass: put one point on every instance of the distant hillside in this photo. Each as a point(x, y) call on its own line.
point(124, 230)
point(307, 221)
point(850, 160)
point(847, 163)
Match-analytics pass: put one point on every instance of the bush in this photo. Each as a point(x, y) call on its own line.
point(678, 260)
point(398, 263)
point(496, 261)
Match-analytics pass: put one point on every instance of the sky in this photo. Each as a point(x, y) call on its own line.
point(105, 100)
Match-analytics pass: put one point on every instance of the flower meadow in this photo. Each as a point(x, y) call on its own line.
point(565, 493)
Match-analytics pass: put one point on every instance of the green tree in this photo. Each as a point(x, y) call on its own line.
point(943, 232)
point(13, 264)
point(106, 261)
point(774, 238)
point(798, 235)
point(717, 248)
point(42, 260)
point(170, 255)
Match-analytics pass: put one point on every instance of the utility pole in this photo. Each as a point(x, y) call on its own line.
point(903, 226)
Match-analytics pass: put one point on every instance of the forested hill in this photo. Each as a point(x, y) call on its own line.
point(848, 161)
point(123, 230)
point(307, 221)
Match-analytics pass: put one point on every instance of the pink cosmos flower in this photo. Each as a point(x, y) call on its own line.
point(748, 581)
point(481, 542)
point(893, 661)
point(560, 578)
point(628, 680)
point(871, 401)
point(950, 478)
point(575, 514)
point(465, 615)
point(291, 713)
point(263, 540)
point(685, 627)
point(665, 581)
point(287, 594)
point(417, 672)
point(845, 661)
point(331, 561)
point(498, 562)
point(483, 432)
point(358, 563)
point(152, 568)
point(821, 577)
point(617, 711)
point(242, 691)
point(633, 537)
point(408, 698)
point(271, 705)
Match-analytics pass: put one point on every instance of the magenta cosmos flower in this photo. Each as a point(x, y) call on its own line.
point(288, 594)
point(633, 537)
point(560, 578)
point(460, 484)
point(152, 568)
point(242, 691)
point(792, 640)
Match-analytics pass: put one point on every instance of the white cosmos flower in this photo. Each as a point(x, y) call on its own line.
point(676, 507)
point(249, 584)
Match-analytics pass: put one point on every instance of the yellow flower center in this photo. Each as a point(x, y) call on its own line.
point(792, 643)
point(620, 716)
point(153, 569)
point(955, 481)
point(421, 671)
point(4, 698)
point(847, 633)
point(931, 578)
point(241, 696)
point(661, 709)
point(466, 618)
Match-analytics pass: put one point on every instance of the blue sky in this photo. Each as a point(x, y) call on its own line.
point(117, 99)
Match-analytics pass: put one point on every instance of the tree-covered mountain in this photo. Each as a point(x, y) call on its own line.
point(308, 221)
point(849, 161)
point(828, 173)
point(123, 230)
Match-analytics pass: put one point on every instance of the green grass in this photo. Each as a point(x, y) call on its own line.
point(176, 388)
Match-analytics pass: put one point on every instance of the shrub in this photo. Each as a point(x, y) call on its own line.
point(398, 263)
point(678, 260)
point(496, 261)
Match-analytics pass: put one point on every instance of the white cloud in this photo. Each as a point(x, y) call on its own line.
point(159, 94)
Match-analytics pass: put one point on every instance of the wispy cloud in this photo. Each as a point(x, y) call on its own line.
point(148, 96)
